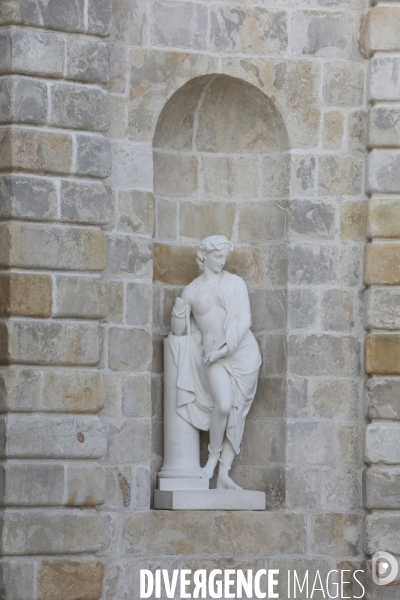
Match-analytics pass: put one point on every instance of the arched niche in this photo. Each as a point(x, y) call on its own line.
point(221, 166)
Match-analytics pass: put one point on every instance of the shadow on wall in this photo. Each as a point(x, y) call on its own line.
point(221, 166)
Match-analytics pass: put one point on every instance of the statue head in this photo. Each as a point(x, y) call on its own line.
point(211, 244)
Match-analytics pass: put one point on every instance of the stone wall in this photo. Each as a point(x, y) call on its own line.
point(157, 98)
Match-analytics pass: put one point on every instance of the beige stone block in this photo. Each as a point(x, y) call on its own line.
point(207, 218)
point(336, 534)
point(259, 222)
point(382, 354)
point(52, 343)
point(81, 298)
point(136, 212)
point(383, 29)
point(230, 177)
point(36, 246)
point(246, 263)
point(20, 390)
point(51, 532)
point(203, 532)
point(357, 131)
point(167, 219)
point(85, 485)
point(73, 391)
point(384, 217)
point(139, 304)
point(275, 176)
point(35, 151)
point(353, 220)
point(129, 443)
point(333, 130)
point(33, 484)
point(70, 580)
point(25, 295)
point(349, 444)
point(340, 175)
point(382, 264)
point(115, 302)
point(175, 175)
point(343, 84)
point(254, 31)
point(129, 349)
point(383, 308)
point(175, 265)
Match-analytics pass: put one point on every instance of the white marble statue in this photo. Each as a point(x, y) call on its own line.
point(219, 361)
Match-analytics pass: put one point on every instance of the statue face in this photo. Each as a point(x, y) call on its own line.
point(215, 259)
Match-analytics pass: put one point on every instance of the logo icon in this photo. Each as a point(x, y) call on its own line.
point(384, 568)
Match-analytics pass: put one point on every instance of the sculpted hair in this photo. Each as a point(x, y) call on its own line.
point(213, 242)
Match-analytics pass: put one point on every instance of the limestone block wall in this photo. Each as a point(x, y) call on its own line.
point(54, 112)
point(382, 478)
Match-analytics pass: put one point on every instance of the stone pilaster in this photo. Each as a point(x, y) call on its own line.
point(54, 156)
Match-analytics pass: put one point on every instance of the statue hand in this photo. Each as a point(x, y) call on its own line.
point(179, 304)
point(215, 355)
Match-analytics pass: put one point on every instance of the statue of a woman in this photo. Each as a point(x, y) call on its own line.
point(225, 359)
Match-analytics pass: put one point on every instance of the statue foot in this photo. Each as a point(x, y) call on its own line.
point(208, 470)
point(224, 482)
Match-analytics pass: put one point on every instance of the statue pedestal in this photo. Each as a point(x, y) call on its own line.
point(209, 500)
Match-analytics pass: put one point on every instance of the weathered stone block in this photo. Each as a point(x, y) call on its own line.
point(20, 390)
point(115, 302)
point(353, 220)
point(271, 436)
point(64, 15)
point(333, 130)
point(276, 176)
point(382, 354)
point(79, 107)
point(18, 576)
point(32, 52)
point(270, 399)
point(32, 246)
point(23, 100)
point(173, 265)
point(206, 218)
point(73, 391)
point(52, 343)
point(341, 489)
point(254, 30)
point(334, 398)
point(230, 177)
point(383, 398)
point(297, 398)
point(336, 534)
point(382, 488)
point(34, 484)
point(259, 222)
point(81, 298)
point(27, 198)
point(357, 131)
point(383, 308)
point(384, 80)
point(25, 295)
point(311, 219)
point(85, 202)
point(268, 309)
point(85, 485)
point(136, 396)
point(170, 25)
point(175, 175)
point(47, 437)
point(70, 580)
point(323, 355)
point(383, 29)
point(129, 349)
point(10, 14)
point(129, 255)
point(117, 127)
point(384, 127)
point(302, 175)
point(129, 443)
point(51, 532)
point(132, 165)
point(382, 264)
point(211, 533)
point(274, 355)
point(301, 487)
point(318, 265)
point(321, 34)
point(99, 17)
point(337, 311)
point(340, 176)
point(302, 308)
point(382, 531)
point(93, 156)
point(139, 304)
point(384, 217)
point(35, 151)
point(87, 60)
point(136, 212)
point(310, 443)
point(382, 443)
point(343, 84)
point(349, 444)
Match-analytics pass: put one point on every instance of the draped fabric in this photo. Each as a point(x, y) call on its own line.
point(243, 361)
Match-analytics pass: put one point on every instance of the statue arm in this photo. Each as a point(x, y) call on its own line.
point(178, 316)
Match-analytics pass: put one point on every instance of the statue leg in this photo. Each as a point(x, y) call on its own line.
point(221, 390)
point(224, 482)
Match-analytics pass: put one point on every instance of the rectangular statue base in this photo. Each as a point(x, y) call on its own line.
point(209, 500)
point(174, 484)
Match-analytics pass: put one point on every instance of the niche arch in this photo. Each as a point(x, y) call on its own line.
point(221, 166)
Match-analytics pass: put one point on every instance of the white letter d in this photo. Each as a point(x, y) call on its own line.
point(146, 576)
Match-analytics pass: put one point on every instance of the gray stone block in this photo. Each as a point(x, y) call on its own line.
point(384, 127)
point(170, 24)
point(36, 53)
point(89, 203)
point(19, 390)
point(34, 484)
point(63, 15)
point(79, 107)
point(302, 309)
point(138, 304)
point(268, 309)
point(337, 311)
point(93, 156)
point(343, 84)
point(334, 398)
point(321, 34)
point(85, 485)
point(81, 298)
point(383, 171)
point(136, 212)
point(87, 60)
point(310, 443)
point(382, 488)
point(341, 489)
point(297, 398)
point(99, 17)
point(129, 442)
point(23, 100)
point(323, 355)
point(382, 443)
point(270, 447)
point(311, 219)
point(383, 398)
point(128, 255)
point(18, 576)
point(129, 349)
point(336, 534)
point(384, 81)
point(383, 308)
point(318, 265)
point(382, 531)
point(27, 198)
point(301, 487)
point(136, 396)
